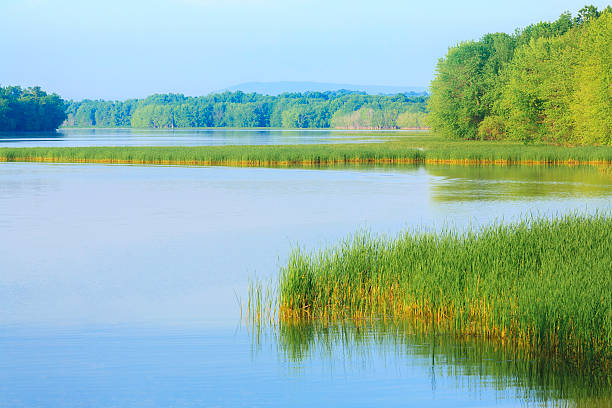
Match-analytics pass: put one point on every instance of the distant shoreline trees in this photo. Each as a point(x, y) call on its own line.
point(547, 83)
point(342, 109)
point(30, 109)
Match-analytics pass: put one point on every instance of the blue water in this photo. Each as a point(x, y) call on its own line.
point(197, 367)
point(119, 284)
point(194, 137)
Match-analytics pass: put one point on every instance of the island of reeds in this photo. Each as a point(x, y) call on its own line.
point(404, 148)
point(542, 286)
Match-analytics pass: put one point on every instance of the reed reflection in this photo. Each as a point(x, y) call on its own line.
point(473, 363)
point(478, 183)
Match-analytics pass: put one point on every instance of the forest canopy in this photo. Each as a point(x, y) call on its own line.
point(30, 109)
point(341, 109)
point(546, 83)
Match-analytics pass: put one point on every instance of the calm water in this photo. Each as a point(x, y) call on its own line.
point(193, 137)
point(119, 285)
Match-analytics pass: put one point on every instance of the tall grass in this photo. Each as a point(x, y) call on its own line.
point(404, 150)
point(542, 284)
point(221, 155)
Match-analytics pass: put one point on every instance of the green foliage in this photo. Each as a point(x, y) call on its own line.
point(548, 83)
point(29, 109)
point(591, 105)
point(491, 128)
point(535, 91)
point(412, 120)
point(464, 88)
point(237, 109)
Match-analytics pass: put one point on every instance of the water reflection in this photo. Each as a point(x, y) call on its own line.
point(456, 183)
point(10, 139)
point(476, 183)
point(122, 246)
point(131, 243)
point(474, 364)
point(192, 137)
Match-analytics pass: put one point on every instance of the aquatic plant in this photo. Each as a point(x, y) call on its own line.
point(406, 148)
point(219, 155)
point(544, 285)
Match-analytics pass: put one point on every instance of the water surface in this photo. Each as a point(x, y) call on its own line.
point(119, 283)
point(194, 137)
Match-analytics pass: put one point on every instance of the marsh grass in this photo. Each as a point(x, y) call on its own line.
point(409, 149)
point(260, 305)
point(544, 285)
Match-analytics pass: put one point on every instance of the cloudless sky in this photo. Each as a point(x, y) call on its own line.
point(118, 49)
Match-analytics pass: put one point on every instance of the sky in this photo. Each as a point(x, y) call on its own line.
point(119, 49)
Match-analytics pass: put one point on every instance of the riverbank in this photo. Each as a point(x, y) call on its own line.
point(402, 150)
point(541, 285)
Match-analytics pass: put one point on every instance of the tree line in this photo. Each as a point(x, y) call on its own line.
point(30, 109)
point(341, 109)
point(547, 83)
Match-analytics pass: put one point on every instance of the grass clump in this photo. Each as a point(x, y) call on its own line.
point(542, 284)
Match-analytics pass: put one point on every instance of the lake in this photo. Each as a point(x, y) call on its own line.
point(120, 285)
point(195, 137)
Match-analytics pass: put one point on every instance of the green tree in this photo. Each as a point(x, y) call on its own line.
point(591, 105)
point(550, 82)
point(30, 109)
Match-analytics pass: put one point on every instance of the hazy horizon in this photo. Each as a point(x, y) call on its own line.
point(120, 50)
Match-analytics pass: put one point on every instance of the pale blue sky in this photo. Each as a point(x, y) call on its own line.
point(116, 49)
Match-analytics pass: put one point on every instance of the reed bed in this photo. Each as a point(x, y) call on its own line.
point(410, 149)
point(544, 285)
point(221, 155)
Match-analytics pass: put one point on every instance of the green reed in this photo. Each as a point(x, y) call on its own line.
point(544, 285)
point(403, 149)
point(218, 155)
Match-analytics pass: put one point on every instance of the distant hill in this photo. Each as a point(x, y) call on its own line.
point(276, 88)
